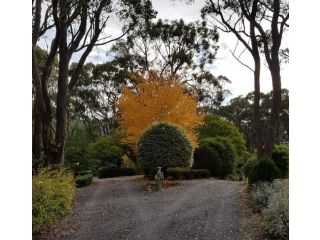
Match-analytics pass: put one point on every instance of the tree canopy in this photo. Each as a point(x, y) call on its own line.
point(156, 98)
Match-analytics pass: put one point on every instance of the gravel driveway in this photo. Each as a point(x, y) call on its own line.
point(121, 208)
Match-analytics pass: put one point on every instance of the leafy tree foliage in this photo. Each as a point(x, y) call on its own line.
point(156, 98)
point(79, 26)
point(175, 48)
point(166, 145)
point(76, 151)
point(96, 94)
point(107, 151)
point(240, 112)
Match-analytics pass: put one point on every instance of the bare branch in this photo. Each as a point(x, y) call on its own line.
point(241, 62)
point(229, 26)
point(106, 42)
point(80, 33)
point(283, 23)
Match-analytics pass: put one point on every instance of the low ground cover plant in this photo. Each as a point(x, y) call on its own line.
point(52, 195)
point(181, 173)
point(272, 200)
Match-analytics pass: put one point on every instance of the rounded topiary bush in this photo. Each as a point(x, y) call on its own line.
point(218, 155)
point(265, 170)
point(166, 145)
point(280, 156)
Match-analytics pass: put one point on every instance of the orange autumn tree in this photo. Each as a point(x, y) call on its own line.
point(157, 98)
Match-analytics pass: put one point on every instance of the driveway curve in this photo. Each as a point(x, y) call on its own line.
point(120, 208)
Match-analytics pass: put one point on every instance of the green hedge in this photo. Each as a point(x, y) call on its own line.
point(166, 145)
point(52, 195)
point(180, 173)
point(217, 154)
point(81, 173)
point(84, 180)
point(115, 172)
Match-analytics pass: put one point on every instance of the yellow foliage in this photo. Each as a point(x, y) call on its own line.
point(127, 162)
point(52, 196)
point(157, 98)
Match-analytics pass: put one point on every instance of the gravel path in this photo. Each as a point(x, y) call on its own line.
point(121, 208)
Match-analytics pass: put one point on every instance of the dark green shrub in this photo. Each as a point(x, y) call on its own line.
point(280, 156)
point(218, 155)
point(265, 170)
point(76, 160)
point(52, 195)
point(84, 180)
point(165, 145)
point(248, 166)
point(81, 173)
point(181, 173)
point(215, 126)
point(115, 172)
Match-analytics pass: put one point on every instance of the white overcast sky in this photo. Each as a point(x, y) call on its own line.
point(225, 64)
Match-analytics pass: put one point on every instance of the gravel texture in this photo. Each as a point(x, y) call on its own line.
point(121, 208)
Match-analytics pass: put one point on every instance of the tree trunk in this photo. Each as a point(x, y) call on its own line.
point(39, 110)
point(257, 66)
point(256, 109)
point(47, 118)
point(63, 92)
point(37, 141)
point(275, 107)
point(39, 101)
point(274, 67)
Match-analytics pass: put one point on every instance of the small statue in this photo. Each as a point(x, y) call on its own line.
point(159, 179)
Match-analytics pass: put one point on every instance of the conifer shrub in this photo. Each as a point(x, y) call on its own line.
point(166, 145)
point(280, 156)
point(265, 170)
point(217, 154)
